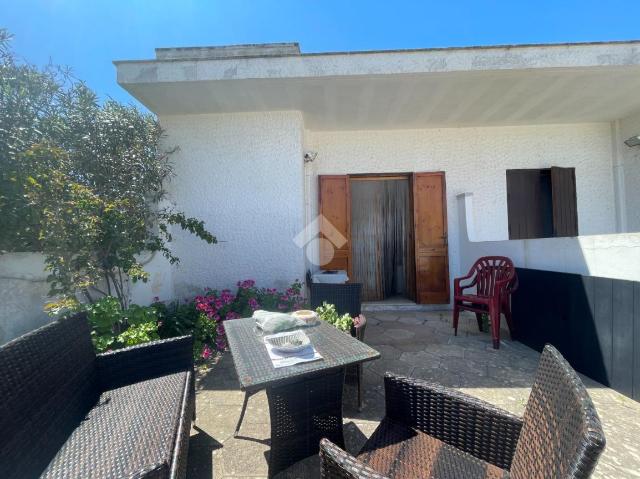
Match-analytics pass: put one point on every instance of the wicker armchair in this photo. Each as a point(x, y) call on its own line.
point(66, 412)
point(433, 432)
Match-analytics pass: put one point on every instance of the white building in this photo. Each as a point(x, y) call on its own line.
point(245, 118)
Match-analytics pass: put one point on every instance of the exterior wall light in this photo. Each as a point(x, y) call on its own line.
point(633, 141)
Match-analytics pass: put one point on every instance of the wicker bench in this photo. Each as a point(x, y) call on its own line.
point(434, 432)
point(66, 412)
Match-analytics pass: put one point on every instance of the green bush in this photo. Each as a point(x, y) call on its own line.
point(176, 318)
point(327, 312)
point(114, 328)
point(203, 317)
point(83, 181)
point(139, 334)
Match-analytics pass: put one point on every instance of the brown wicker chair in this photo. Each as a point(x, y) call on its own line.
point(66, 412)
point(433, 432)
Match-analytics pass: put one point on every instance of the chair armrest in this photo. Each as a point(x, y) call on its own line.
point(145, 361)
point(336, 463)
point(462, 421)
point(457, 288)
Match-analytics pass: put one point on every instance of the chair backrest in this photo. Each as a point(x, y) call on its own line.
point(47, 385)
point(561, 436)
point(489, 270)
point(345, 297)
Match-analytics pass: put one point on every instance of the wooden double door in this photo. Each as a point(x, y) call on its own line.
point(429, 232)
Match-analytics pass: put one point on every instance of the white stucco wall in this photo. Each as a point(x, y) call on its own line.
point(475, 160)
point(243, 175)
point(630, 165)
point(609, 256)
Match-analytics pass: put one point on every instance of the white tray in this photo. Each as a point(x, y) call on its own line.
point(291, 342)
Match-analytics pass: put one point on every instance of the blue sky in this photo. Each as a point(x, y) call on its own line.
point(88, 34)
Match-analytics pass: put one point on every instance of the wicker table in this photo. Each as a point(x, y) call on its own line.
point(305, 400)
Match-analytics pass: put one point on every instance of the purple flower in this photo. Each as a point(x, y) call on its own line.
point(206, 352)
point(246, 284)
point(253, 304)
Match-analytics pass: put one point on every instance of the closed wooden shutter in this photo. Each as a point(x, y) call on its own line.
point(524, 204)
point(335, 217)
point(430, 235)
point(565, 208)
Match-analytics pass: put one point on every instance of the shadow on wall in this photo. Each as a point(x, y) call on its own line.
point(580, 294)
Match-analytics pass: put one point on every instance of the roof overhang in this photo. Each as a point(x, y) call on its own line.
point(507, 85)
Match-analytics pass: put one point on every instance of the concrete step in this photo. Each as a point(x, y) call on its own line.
point(392, 306)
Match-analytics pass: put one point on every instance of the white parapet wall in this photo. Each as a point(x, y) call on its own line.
point(610, 256)
point(24, 290)
point(23, 294)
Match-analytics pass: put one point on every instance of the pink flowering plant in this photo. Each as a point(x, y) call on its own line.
point(215, 307)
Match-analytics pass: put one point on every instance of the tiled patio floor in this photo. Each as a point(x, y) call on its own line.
point(419, 344)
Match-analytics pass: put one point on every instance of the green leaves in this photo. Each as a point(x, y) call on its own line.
point(105, 315)
point(112, 327)
point(327, 312)
point(81, 181)
point(139, 334)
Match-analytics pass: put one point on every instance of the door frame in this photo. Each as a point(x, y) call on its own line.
point(412, 231)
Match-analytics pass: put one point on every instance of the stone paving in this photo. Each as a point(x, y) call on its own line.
point(418, 344)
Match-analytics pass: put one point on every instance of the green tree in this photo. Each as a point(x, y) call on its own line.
point(81, 181)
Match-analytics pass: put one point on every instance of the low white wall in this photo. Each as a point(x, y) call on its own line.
point(24, 290)
point(23, 294)
point(243, 175)
point(610, 256)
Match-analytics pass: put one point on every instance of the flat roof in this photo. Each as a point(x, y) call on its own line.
point(413, 88)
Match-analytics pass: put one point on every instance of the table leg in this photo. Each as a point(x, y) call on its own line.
point(302, 413)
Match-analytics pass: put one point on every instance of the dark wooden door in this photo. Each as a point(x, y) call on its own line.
point(430, 236)
point(335, 222)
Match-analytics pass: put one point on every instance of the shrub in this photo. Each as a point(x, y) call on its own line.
point(203, 317)
point(216, 307)
point(139, 334)
point(114, 328)
point(327, 312)
point(82, 181)
point(176, 318)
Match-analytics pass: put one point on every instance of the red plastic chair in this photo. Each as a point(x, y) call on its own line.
point(494, 279)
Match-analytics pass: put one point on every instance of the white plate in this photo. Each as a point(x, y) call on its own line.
point(289, 342)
